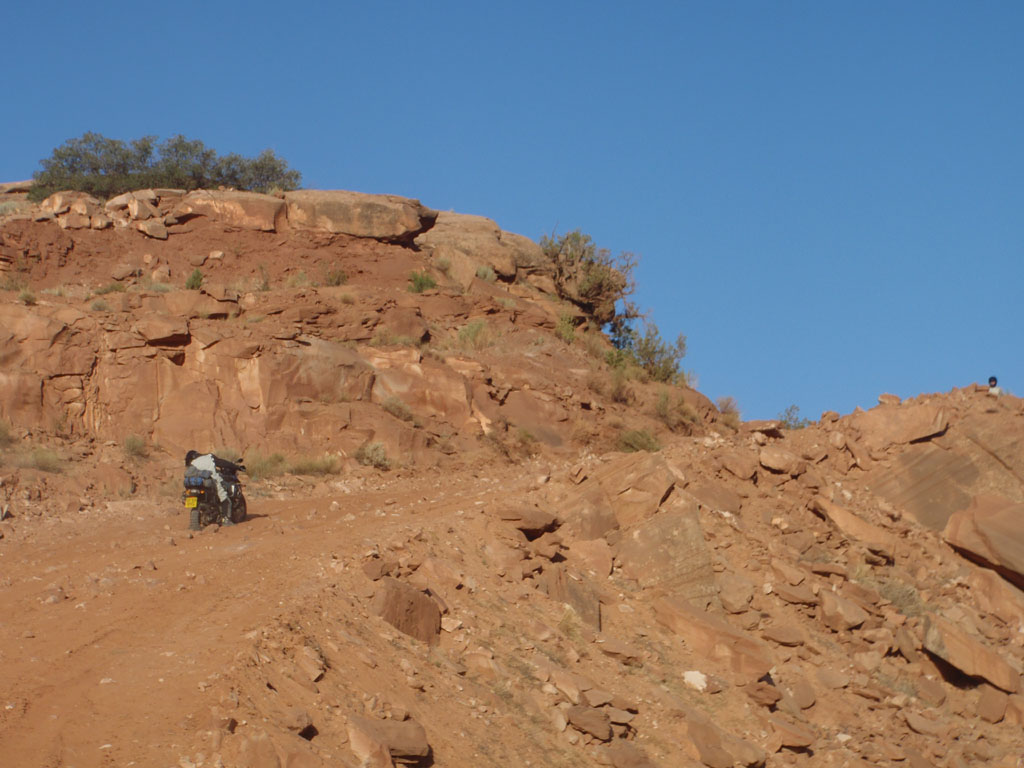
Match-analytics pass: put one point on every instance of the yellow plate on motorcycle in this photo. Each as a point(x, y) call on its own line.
point(191, 501)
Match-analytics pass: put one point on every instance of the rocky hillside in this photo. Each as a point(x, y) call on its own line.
point(513, 590)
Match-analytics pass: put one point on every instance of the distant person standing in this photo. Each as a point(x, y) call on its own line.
point(993, 387)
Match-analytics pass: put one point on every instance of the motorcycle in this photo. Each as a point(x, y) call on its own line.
point(201, 500)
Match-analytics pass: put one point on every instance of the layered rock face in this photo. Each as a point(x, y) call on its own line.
point(191, 367)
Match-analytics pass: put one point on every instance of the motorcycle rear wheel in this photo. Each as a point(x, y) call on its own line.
point(238, 511)
point(193, 519)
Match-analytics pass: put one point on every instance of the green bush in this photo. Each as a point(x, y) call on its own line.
point(658, 359)
point(790, 419)
point(420, 282)
point(110, 288)
point(443, 264)
point(591, 277)
point(565, 329)
point(373, 455)
point(195, 280)
point(107, 167)
point(632, 440)
point(99, 306)
point(486, 272)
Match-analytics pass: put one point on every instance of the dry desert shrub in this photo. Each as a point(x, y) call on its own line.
point(259, 466)
point(335, 277)
point(730, 411)
point(397, 408)
point(327, 464)
point(373, 455)
point(632, 440)
point(486, 273)
point(43, 459)
point(675, 415)
point(475, 335)
point(135, 447)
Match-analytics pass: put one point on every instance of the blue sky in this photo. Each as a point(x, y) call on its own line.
point(826, 197)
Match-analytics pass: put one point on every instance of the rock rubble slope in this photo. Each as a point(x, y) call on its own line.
point(513, 591)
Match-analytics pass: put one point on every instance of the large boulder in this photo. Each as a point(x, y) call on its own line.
point(893, 424)
point(242, 210)
point(382, 217)
point(408, 610)
point(989, 531)
point(480, 240)
point(669, 551)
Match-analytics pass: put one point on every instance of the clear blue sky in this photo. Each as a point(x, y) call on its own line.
point(826, 197)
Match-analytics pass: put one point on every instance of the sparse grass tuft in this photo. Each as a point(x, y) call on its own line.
point(347, 298)
point(443, 265)
point(135, 447)
point(26, 297)
point(486, 273)
point(475, 335)
point(111, 288)
point(99, 306)
point(397, 408)
point(298, 280)
point(373, 455)
point(632, 440)
point(261, 467)
point(327, 464)
point(619, 390)
point(420, 282)
point(195, 280)
point(595, 345)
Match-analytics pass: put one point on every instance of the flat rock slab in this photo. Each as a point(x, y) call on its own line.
point(669, 551)
point(383, 217)
point(990, 531)
point(956, 647)
point(739, 655)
